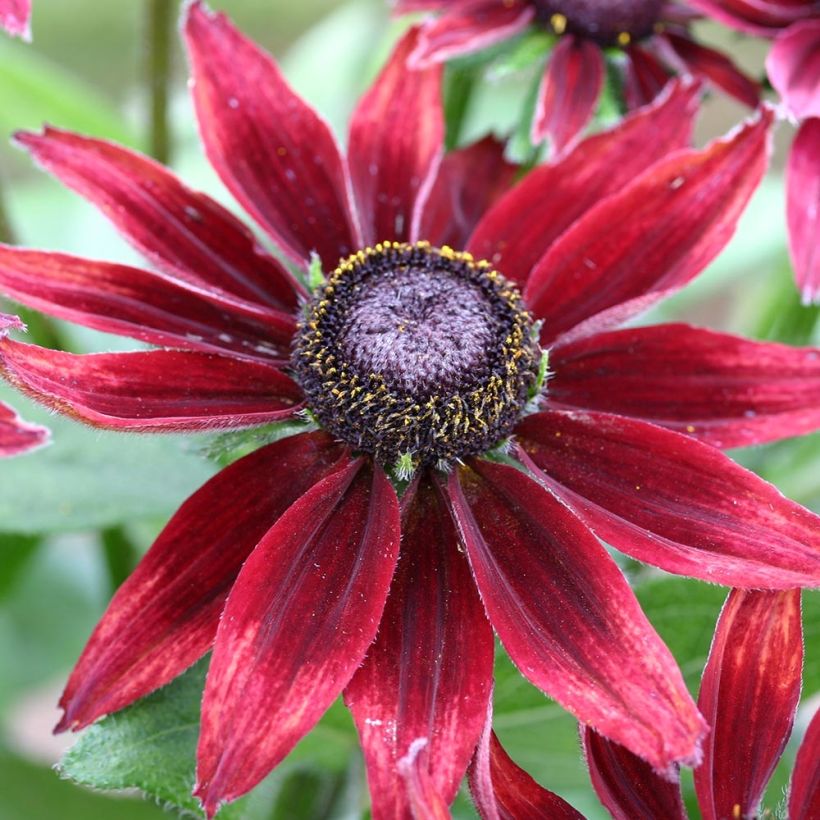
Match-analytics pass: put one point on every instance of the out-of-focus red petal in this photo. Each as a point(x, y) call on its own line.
point(764, 17)
point(716, 67)
point(644, 79)
point(672, 501)
point(803, 209)
point(749, 694)
point(15, 17)
point(395, 147)
point(567, 616)
point(424, 801)
point(467, 26)
point(519, 230)
point(272, 150)
point(153, 389)
point(793, 66)
point(470, 180)
point(184, 233)
point(569, 92)
point(627, 786)
point(165, 615)
point(18, 436)
point(428, 675)
point(502, 790)
point(667, 374)
point(144, 305)
point(650, 239)
point(297, 623)
point(804, 794)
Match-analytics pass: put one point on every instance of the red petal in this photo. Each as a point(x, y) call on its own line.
point(519, 230)
point(165, 615)
point(470, 180)
point(424, 801)
point(749, 694)
point(18, 436)
point(627, 785)
point(395, 147)
point(504, 791)
point(468, 26)
point(668, 374)
point(272, 150)
point(153, 389)
point(645, 78)
point(717, 67)
point(15, 17)
point(673, 502)
point(793, 66)
point(803, 209)
point(569, 92)
point(428, 675)
point(651, 238)
point(298, 621)
point(804, 794)
point(567, 616)
point(181, 231)
point(144, 305)
point(764, 17)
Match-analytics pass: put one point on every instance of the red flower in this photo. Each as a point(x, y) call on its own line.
point(653, 36)
point(15, 17)
point(749, 692)
point(288, 561)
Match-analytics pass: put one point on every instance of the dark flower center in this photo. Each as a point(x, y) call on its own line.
point(416, 354)
point(606, 21)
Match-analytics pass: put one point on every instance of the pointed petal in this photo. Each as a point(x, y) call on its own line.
point(423, 799)
point(803, 209)
point(15, 17)
point(468, 27)
point(395, 147)
point(428, 674)
point(164, 617)
point(667, 374)
point(298, 622)
point(651, 238)
point(793, 66)
point(673, 502)
point(749, 694)
point(519, 230)
point(804, 794)
point(567, 616)
point(470, 180)
point(153, 389)
point(148, 306)
point(764, 17)
point(569, 92)
point(272, 150)
point(627, 785)
point(645, 77)
point(18, 436)
point(182, 232)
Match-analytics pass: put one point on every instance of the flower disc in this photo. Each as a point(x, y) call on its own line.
point(606, 21)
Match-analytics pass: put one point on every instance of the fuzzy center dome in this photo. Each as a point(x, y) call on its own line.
point(606, 21)
point(416, 354)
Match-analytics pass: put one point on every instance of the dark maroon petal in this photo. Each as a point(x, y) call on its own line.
point(470, 26)
point(645, 77)
point(18, 436)
point(297, 623)
point(569, 92)
point(502, 790)
point(803, 209)
point(470, 180)
point(144, 305)
point(728, 391)
point(804, 794)
point(567, 616)
point(428, 675)
point(519, 230)
point(716, 67)
point(650, 239)
point(153, 389)
point(272, 150)
point(395, 147)
point(183, 232)
point(749, 694)
point(15, 17)
point(424, 801)
point(764, 17)
point(627, 786)
point(672, 501)
point(165, 615)
point(793, 66)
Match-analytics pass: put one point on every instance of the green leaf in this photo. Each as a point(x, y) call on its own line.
point(15, 552)
point(533, 46)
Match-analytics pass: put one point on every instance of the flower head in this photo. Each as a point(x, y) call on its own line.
point(299, 563)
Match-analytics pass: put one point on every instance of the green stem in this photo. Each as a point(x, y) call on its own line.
point(160, 38)
point(120, 555)
point(6, 231)
point(458, 88)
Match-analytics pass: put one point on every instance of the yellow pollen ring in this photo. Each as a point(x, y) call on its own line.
point(558, 23)
point(624, 39)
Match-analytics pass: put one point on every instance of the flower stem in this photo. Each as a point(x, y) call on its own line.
point(6, 231)
point(120, 555)
point(160, 37)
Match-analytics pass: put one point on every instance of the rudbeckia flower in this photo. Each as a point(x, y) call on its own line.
point(420, 361)
point(652, 35)
point(15, 17)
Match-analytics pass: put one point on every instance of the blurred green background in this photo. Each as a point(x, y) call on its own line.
point(74, 517)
